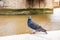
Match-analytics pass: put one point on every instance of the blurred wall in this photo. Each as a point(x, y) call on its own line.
point(19, 4)
point(49, 3)
point(56, 3)
point(14, 4)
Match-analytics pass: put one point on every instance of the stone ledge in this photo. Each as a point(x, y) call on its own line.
point(25, 11)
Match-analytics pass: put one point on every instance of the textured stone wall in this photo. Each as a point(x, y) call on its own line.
point(49, 3)
point(14, 4)
point(20, 4)
point(56, 3)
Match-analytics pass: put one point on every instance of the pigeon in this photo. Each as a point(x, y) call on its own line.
point(35, 26)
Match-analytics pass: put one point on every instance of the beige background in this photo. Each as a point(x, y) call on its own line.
point(16, 4)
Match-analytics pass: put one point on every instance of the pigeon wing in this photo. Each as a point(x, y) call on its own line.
point(35, 26)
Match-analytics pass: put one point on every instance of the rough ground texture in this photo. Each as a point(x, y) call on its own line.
point(52, 35)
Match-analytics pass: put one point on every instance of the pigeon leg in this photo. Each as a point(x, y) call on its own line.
point(33, 33)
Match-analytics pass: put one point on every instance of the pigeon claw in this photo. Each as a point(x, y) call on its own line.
point(33, 33)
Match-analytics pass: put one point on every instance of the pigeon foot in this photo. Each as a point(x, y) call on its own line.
point(33, 33)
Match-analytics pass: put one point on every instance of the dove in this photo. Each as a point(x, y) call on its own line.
point(35, 26)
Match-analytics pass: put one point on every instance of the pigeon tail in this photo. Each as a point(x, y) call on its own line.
point(46, 33)
point(43, 30)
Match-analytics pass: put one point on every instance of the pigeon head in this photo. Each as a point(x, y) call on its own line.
point(29, 17)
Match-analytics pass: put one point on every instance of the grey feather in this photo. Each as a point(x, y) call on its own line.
point(35, 26)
